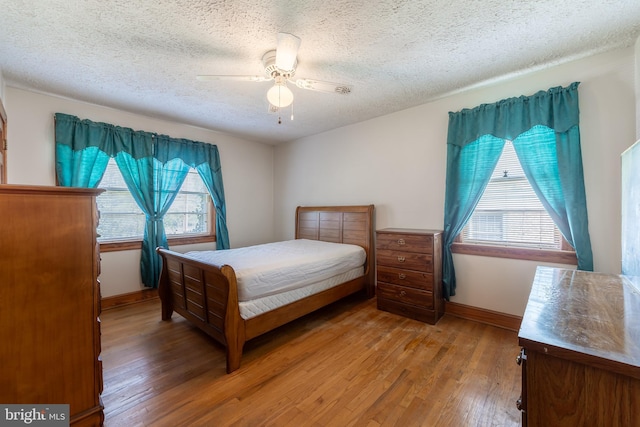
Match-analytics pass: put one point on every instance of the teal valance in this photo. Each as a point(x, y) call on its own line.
point(79, 134)
point(556, 108)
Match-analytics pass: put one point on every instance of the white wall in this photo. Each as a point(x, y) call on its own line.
point(398, 162)
point(247, 169)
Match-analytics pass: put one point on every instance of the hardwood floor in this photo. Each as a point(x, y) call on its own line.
point(345, 365)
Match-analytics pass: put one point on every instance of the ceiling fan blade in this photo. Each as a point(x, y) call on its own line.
point(206, 78)
point(286, 52)
point(320, 86)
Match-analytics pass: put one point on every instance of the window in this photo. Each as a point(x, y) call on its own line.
point(509, 212)
point(121, 220)
point(509, 215)
point(189, 213)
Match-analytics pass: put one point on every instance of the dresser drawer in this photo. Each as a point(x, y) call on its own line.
point(405, 295)
point(413, 279)
point(405, 242)
point(409, 310)
point(405, 260)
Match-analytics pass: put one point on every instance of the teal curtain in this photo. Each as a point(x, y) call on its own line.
point(469, 169)
point(552, 162)
point(154, 187)
point(213, 180)
point(207, 162)
point(153, 166)
point(84, 167)
point(472, 148)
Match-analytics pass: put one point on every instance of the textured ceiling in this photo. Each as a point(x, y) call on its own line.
point(143, 55)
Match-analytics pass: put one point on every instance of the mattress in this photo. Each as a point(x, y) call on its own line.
point(253, 308)
point(273, 268)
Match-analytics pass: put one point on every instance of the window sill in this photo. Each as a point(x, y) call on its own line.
point(128, 245)
point(542, 255)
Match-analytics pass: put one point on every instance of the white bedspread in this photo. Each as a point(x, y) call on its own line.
point(272, 268)
point(255, 307)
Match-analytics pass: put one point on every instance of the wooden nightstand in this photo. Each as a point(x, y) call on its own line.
point(409, 273)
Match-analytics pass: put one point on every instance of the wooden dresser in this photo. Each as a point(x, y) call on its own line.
point(409, 273)
point(580, 361)
point(50, 300)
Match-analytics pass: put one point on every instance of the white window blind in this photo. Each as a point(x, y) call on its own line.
point(509, 212)
point(122, 219)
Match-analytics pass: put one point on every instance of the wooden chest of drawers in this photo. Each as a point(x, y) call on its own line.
point(409, 273)
point(580, 350)
point(50, 300)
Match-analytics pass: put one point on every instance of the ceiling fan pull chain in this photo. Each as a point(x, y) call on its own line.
point(279, 105)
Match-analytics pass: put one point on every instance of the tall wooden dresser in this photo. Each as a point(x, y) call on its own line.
point(50, 300)
point(409, 273)
point(580, 358)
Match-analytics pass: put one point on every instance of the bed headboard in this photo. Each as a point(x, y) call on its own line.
point(340, 224)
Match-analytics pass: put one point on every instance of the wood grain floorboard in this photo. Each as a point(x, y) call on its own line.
point(348, 364)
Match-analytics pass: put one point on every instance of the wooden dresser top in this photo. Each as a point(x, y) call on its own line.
point(14, 189)
point(408, 231)
point(590, 318)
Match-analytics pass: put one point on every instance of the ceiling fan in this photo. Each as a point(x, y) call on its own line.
point(280, 66)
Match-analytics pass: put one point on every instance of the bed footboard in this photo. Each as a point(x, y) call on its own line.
point(205, 295)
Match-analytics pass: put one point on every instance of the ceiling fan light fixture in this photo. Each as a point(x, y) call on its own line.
point(280, 96)
point(287, 51)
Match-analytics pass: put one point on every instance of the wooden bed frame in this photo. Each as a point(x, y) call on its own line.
point(208, 296)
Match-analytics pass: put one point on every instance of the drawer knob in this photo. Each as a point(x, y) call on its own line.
point(401, 259)
point(402, 276)
point(519, 404)
point(402, 293)
point(401, 242)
